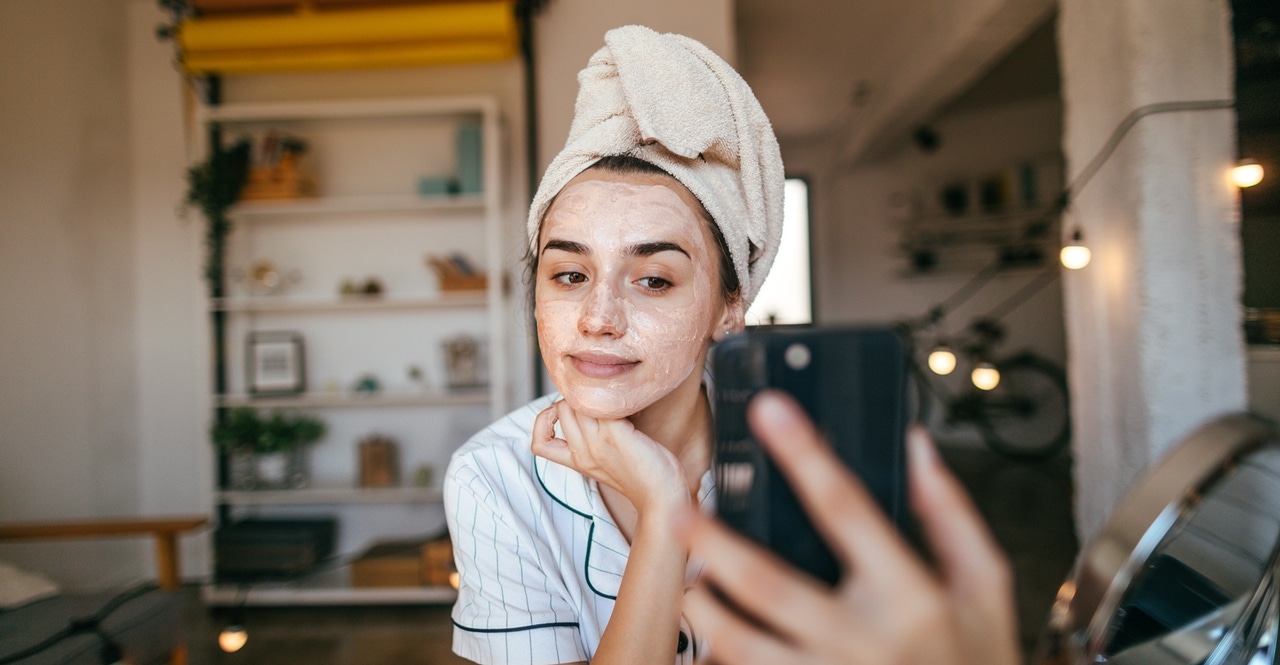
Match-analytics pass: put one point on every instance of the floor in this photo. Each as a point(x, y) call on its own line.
point(1028, 505)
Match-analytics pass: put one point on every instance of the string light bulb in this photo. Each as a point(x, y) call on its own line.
point(942, 360)
point(985, 376)
point(1075, 255)
point(1247, 173)
point(232, 638)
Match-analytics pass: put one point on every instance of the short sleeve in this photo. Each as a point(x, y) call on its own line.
point(511, 607)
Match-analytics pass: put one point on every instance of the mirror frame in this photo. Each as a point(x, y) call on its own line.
point(1080, 620)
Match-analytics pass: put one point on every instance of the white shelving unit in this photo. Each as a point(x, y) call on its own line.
point(368, 221)
point(357, 401)
point(329, 496)
point(347, 303)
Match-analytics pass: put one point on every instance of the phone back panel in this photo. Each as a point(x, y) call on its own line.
point(852, 382)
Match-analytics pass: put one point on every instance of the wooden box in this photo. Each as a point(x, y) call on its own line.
point(389, 564)
point(379, 462)
point(284, 180)
point(437, 562)
point(463, 282)
point(456, 274)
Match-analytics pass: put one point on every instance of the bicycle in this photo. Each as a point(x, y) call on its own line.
point(1022, 410)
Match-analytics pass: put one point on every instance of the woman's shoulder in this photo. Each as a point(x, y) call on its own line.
point(503, 446)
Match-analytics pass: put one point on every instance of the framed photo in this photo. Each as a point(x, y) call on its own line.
point(276, 365)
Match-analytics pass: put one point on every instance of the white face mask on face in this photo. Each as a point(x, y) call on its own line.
point(627, 293)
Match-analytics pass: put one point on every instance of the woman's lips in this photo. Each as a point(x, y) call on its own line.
point(601, 365)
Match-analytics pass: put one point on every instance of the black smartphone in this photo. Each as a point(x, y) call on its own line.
point(853, 384)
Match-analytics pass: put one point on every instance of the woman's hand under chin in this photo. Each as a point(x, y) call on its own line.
point(614, 453)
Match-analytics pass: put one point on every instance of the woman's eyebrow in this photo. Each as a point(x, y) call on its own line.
point(651, 248)
point(566, 246)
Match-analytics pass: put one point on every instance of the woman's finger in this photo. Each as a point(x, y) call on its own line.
point(723, 637)
point(782, 599)
point(569, 424)
point(964, 547)
point(545, 444)
point(840, 507)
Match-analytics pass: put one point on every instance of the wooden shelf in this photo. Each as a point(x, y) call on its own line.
point(348, 303)
point(329, 587)
point(368, 108)
point(328, 496)
point(468, 397)
point(341, 205)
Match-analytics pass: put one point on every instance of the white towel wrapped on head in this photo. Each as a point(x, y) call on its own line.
point(670, 101)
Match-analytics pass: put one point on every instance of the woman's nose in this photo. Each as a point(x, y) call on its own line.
point(602, 313)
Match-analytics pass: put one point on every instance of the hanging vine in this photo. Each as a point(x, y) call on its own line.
point(215, 186)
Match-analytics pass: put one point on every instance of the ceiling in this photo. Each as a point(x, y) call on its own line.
point(821, 67)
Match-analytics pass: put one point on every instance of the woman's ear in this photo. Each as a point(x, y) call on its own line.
point(731, 321)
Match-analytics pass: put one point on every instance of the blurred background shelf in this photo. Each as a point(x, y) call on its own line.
point(335, 495)
point(475, 298)
point(339, 205)
point(468, 397)
point(328, 587)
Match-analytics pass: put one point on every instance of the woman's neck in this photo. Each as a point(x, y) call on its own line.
point(681, 423)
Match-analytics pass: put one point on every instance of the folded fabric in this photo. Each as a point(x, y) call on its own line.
point(670, 101)
point(19, 587)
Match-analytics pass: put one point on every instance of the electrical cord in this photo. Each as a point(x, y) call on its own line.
point(1022, 295)
point(82, 625)
point(1118, 134)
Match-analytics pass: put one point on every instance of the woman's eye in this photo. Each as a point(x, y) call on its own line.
point(653, 283)
point(570, 278)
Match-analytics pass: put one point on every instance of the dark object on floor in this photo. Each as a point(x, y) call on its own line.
point(147, 629)
point(254, 549)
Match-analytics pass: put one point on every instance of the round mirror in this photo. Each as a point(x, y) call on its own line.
point(1185, 570)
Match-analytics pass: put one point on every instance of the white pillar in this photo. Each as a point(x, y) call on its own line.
point(1153, 324)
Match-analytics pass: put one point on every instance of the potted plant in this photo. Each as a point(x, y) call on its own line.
point(267, 452)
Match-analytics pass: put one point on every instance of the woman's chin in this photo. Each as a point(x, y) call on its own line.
point(606, 405)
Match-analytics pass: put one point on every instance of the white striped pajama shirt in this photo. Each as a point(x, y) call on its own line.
point(539, 556)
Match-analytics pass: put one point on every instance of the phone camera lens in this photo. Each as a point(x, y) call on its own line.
point(797, 356)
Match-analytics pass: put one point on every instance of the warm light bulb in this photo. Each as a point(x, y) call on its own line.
point(455, 580)
point(985, 376)
point(1247, 173)
point(942, 361)
point(1074, 254)
point(232, 638)
point(1075, 257)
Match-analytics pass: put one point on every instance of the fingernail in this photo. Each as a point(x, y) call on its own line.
point(920, 448)
point(772, 409)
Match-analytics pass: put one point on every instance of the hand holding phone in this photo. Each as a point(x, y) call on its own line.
point(890, 606)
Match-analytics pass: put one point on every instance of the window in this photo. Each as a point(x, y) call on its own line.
point(785, 296)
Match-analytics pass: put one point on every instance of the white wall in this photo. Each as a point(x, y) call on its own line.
point(68, 398)
point(568, 32)
point(174, 377)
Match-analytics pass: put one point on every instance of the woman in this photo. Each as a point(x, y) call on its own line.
point(649, 235)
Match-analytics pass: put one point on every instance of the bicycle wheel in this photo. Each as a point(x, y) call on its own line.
point(1028, 415)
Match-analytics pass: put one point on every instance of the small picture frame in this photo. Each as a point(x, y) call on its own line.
point(276, 365)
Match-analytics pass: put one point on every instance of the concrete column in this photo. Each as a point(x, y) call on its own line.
point(1153, 324)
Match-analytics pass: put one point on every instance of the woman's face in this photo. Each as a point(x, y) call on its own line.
point(627, 296)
